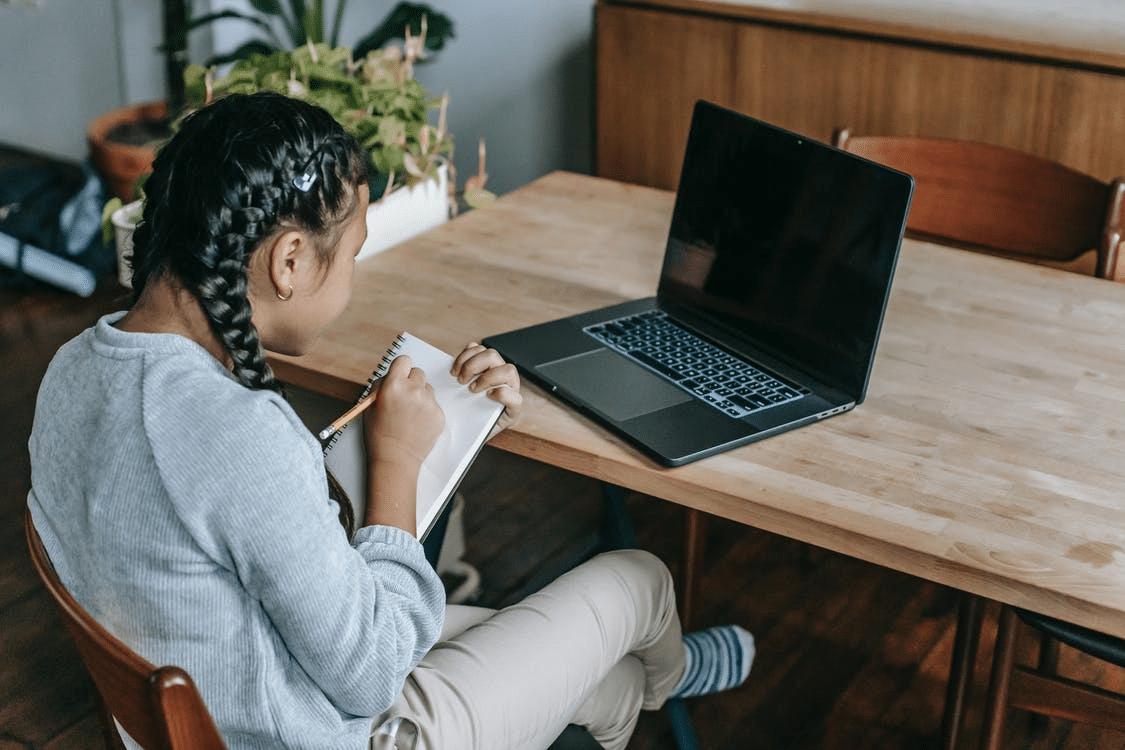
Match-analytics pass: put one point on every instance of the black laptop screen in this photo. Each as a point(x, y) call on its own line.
point(786, 240)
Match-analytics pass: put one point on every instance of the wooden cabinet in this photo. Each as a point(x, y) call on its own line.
point(812, 73)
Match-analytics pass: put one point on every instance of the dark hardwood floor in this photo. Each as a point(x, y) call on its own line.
point(849, 655)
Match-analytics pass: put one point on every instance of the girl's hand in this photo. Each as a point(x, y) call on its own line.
point(400, 430)
point(485, 370)
point(406, 419)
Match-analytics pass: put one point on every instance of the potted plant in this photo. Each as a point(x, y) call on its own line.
point(376, 98)
point(123, 141)
point(419, 165)
point(289, 24)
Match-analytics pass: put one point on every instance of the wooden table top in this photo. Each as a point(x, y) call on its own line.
point(988, 456)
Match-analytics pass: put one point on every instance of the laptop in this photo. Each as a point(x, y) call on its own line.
point(774, 284)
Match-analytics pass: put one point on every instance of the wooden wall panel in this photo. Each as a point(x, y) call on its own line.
point(1083, 120)
point(651, 67)
point(812, 79)
point(814, 82)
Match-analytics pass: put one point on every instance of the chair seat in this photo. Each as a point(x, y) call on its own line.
point(575, 737)
point(1105, 647)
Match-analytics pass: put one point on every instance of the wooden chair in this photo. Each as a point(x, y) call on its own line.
point(1002, 201)
point(1042, 690)
point(159, 707)
point(1016, 205)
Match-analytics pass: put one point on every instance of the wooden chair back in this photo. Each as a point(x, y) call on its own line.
point(160, 708)
point(1040, 688)
point(1003, 201)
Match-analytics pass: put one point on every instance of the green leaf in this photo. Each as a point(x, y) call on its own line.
point(336, 22)
point(108, 229)
point(195, 87)
point(243, 79)
point(439, 28)
point(391, 131)
point(296, 23)
point(207, 18)
point(335, 58)
point(269, 7)
point(385, 110)
point(252, 47)
point(480, 198)
point(314, 25)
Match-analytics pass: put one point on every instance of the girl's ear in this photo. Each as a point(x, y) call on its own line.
point(287, 255)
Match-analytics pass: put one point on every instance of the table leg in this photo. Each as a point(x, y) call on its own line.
point(618, 531)
point(1000, 681)
point(695, 543)
point(965, 641)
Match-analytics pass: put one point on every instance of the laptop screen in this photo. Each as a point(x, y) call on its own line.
point(789, 242)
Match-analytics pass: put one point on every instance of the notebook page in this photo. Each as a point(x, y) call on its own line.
point(469, 417)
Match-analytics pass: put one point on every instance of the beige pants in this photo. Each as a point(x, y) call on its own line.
point(593, 648)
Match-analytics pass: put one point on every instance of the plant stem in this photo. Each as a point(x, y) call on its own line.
point(175, 53)
point(314, 22)
point(337, 22)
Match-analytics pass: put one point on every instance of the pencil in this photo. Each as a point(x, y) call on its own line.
point(348, 416)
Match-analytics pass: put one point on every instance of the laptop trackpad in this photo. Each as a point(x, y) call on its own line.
point(615, 386)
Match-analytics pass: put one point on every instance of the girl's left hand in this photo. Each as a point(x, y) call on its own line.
point(483, 369)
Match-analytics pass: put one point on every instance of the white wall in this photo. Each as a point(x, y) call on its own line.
point(519, 73)
point(63, 62)
point(56, 73)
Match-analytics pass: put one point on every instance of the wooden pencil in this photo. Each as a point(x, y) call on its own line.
point(349, 415)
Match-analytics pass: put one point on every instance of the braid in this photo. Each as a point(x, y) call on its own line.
point(251, 160)
point(222, 290)
point(222, 295)
point(223, 186)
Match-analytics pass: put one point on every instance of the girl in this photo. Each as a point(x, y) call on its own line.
point(188, 509)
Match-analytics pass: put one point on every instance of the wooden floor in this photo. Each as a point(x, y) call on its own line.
point(849, 655)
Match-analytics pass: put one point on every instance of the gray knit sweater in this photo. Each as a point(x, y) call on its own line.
point(190, 516)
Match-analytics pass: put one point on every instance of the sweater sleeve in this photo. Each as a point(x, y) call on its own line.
point(248, 482)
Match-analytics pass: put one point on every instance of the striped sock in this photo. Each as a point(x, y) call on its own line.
point(717, 659)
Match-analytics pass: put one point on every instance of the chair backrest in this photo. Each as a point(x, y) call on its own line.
point(1002, 201)
point(160, 708)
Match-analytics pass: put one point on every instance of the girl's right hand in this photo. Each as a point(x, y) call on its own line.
point(405, 421)
point(400, 430)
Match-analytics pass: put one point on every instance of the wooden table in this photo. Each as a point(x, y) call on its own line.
point(989, 455)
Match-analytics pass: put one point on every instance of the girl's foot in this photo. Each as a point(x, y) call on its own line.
point(717, 659)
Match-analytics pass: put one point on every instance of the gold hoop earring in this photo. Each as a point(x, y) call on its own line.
point(287, 297)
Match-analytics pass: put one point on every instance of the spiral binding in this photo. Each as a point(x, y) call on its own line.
point(380, 371)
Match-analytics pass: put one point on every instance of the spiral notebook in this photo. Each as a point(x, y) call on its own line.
point(469, 418)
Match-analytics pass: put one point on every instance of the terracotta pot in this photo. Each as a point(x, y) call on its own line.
point(120, 164)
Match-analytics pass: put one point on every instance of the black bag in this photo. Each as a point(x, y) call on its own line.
point(50, 207)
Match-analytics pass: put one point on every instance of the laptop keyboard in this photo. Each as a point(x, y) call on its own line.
point(713, 375)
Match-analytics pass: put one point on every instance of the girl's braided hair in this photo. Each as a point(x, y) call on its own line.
point(235, 173)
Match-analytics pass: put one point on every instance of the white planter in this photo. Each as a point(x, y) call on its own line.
point(124, 221)
point(406, 212)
